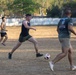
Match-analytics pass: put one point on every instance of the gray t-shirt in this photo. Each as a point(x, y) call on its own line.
point(63, 27)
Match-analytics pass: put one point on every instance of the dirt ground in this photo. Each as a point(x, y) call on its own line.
point(24, 60)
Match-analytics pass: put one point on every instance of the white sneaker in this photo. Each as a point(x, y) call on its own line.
point(73, 68)
point(51, 66)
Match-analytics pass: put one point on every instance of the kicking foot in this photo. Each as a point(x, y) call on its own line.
point(9, 56)
point(39, 55)
point(51, 66)
point(73, 68)
point(3, 44)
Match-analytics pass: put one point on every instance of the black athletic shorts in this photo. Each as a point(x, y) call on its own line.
point(24, 38)
point(3, 34)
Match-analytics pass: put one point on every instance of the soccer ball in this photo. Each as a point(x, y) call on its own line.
point(47, 56)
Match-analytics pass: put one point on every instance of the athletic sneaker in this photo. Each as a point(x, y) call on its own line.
point(9, 56)
point(3, 44)
point(73, 68)
point(39, 55)
point(51, 66)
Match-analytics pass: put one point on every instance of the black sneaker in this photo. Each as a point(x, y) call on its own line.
point(9, 56)
point(39, 55)
point(3, 44)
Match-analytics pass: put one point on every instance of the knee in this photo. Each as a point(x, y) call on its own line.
point(65, 54)
point(19, 43)
point(35, 42)
point(69, 51)
point(6, 37)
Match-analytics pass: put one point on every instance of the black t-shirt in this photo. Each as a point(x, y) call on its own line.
point(24, 31)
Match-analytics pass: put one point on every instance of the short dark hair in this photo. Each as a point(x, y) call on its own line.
point(28, 15)
point(67, 12)
point(3, 17)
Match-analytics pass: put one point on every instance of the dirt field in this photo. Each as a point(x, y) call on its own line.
point(24, 61)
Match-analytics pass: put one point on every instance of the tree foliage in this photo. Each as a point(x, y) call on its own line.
point(23, 6)
point(59, 6)
point(52, 8)
point(71, 5)
point(3, 6)
point(54, 12)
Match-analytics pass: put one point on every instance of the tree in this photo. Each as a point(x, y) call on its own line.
point(44, 5)
point(54, 11)
point(3, 6)
point(71, 5)
point(23, 6)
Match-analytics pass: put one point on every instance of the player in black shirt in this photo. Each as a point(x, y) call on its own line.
point(24, 36)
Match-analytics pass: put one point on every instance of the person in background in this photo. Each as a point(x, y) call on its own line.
point(25, 36)
point(4, 36)
point(64, 29)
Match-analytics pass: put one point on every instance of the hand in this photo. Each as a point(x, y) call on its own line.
point(34, 29)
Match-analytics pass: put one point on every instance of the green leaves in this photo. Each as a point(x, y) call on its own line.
point(71, 5)
point(24, 6)
point(54, 12)
point(58, 6)
point(20, 7)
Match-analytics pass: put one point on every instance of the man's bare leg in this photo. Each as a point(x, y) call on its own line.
point(5, 39)
point(58, 58)
point(1, 39)
point(14, 49)
point(70, 57)
point(35, 46)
